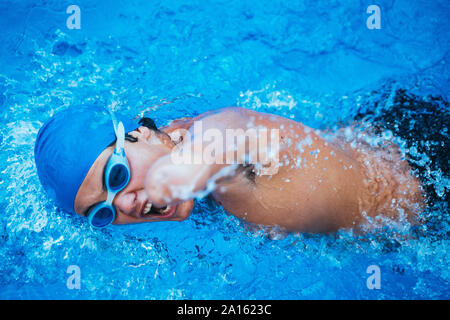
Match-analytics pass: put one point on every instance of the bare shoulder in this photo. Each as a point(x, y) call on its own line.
point(223, 113)
point(246, 118)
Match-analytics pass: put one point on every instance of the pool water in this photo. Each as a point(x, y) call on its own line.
point(311, 61)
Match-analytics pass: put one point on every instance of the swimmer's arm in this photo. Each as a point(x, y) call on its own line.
point(168, 182)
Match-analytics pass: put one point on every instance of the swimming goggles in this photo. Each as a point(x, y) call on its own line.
point(117, 176)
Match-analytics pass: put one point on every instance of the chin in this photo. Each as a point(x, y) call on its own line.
point(183, 211)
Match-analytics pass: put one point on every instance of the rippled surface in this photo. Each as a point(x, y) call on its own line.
point(312, 61)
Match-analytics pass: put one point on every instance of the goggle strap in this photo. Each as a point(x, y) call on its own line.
point(120, 132)
point(120, 135)
point(110, 197)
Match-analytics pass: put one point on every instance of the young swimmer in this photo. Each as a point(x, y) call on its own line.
point(319, 186)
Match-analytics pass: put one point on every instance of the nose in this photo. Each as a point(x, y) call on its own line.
point(129, 202)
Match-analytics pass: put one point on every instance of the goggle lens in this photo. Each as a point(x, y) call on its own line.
point(118, 177)
point(102, 217)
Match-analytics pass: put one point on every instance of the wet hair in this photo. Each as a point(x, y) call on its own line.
point(149, 123)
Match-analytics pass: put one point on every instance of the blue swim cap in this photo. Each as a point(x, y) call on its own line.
point(68, 144)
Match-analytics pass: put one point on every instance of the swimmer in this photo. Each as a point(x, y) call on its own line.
point(122, 172)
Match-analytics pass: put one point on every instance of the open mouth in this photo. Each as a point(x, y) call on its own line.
point(154, 212)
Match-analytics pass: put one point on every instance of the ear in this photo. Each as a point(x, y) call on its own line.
point(142, 132)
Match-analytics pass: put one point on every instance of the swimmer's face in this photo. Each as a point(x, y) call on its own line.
point(130, 203)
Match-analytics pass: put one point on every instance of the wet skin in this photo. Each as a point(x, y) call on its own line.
point(323, 192)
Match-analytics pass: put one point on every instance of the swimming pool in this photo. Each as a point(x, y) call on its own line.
point(311, 61)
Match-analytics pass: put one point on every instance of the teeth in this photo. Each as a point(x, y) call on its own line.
point(166, 209)
point(148, 207)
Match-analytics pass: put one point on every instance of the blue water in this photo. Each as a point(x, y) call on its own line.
point(311, 61)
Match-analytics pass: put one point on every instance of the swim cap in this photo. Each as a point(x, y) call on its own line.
point(68, 144)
